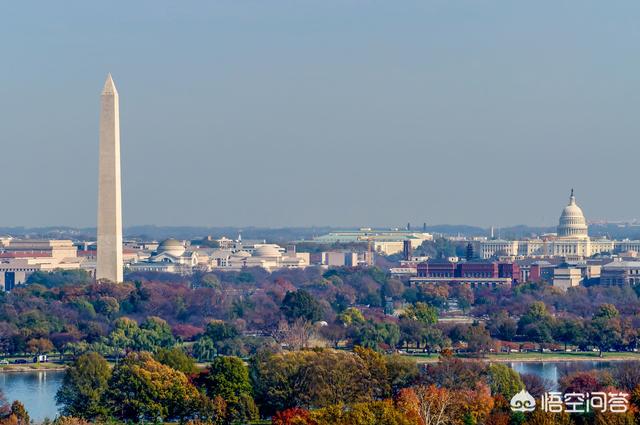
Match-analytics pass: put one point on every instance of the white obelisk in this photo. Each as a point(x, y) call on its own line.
point(109, 254)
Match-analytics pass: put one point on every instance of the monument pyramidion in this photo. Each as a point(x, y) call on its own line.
point(109, 255)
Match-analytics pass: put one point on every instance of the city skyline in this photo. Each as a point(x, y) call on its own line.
point(415, 115)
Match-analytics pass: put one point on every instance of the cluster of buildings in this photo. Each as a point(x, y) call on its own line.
point(20, 258)
point(572, 241)
point(175, 256)
point(565, 259)
point(386, 242)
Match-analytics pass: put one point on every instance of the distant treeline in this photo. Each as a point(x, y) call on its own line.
point(288, 234)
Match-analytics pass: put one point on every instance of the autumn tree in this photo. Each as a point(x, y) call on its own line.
point(293, 416)
point(39, 345)
point(377, 367)
point(19, 414)
point(143, 388)
point(370, 413)
point(309, 379)
point(432, 405)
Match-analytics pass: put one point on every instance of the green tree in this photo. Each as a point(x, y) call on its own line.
point(504, 381)
point(536, 324)
point(228, 377)
point(605, 330)
point(177, 359)
point(433, 339)
point(208, 280)
point(423, 313)
point(372, 335)
point(301, 305)
point(156, 333)
point(218, 330)
point(569, 331)
point(124, 334)
point(59, 278)
point(108, 306)
point(204, 349)
point(351, 316)
point(606, 311)
point(83, 386)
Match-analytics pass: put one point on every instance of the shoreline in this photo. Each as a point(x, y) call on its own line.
point(22, 369)
point(539, 358)
point(564, 359)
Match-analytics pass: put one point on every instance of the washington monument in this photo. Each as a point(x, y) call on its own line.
point(109, 193)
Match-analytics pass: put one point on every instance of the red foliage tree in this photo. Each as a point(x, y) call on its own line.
point(293, 416)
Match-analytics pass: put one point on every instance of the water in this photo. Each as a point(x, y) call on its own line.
point(553, 371)
point(36, 390)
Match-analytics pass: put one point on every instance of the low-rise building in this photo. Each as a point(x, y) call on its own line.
point(620, 272)
point(566, 276)
point(473, 273)
point(386, 242)
point(20, 258)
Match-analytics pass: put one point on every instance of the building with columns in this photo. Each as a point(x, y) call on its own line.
point(572, 240)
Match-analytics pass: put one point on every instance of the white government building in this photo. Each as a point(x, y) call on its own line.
point(174, 256)
point(385, 242)
point(572, 241)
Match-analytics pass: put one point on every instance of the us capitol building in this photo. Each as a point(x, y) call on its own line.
point(571, 241)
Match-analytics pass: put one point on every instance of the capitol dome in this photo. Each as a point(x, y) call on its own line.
point(572, 222)
point(267, 250)
point(172, 247)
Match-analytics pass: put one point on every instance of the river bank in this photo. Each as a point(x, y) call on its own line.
point(535, 357)
point(33, 367)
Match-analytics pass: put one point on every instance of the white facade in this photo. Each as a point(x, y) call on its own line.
point(571, 242)
point(386, 242)
point(109, 256)
point(174, 256)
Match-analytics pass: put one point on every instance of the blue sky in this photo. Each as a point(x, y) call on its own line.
point(288, 113)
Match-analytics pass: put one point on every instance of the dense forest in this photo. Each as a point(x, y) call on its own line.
point(236, 313)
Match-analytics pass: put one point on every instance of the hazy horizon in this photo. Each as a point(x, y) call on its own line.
point(299, 114)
